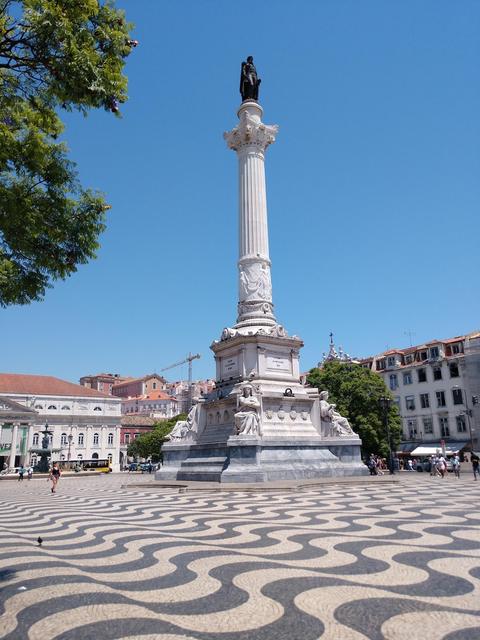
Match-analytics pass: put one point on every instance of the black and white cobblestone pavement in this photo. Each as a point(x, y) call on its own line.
point(347, 562)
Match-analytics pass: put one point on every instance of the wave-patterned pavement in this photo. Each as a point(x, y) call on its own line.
point(378, 561)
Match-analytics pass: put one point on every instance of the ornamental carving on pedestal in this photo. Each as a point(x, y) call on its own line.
point(278, 331)
point(245, 308)
point(228, 333)
point(255, 282)
point(250, 132)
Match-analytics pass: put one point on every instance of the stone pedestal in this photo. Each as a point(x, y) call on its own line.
point(243, 460)
point(284, 437)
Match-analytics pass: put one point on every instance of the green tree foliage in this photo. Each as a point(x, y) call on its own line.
point(54, 55)
point(149, 444)
point(357, 391)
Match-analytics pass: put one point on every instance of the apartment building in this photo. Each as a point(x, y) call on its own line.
point(133, 387)
point(156, 404)
point(436, 386)
point(103, 381)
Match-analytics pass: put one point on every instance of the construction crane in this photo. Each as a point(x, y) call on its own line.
point(188, 359)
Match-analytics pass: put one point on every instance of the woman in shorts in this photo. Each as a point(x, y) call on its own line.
point(55, 474)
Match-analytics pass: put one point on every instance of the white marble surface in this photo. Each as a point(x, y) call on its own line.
point(249, 139)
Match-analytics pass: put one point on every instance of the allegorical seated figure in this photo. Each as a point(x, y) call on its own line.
point(184, 429)
point(333, 424)
point(246, 418)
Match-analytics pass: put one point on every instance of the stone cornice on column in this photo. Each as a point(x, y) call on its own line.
point(251, 131)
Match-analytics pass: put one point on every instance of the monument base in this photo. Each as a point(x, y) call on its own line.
point(285, 438)
point(248, 460)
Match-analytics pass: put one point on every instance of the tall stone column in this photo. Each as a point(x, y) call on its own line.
point(249, 139)
point(13, 450)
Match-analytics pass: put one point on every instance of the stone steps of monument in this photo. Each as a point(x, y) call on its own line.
point(216, 434)
point(208, 468)
point(209, 461)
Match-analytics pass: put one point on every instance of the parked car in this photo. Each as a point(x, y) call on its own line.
point(424, 465)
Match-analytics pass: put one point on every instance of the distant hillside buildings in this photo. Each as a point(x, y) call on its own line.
point(151, 394)
point(102, 381)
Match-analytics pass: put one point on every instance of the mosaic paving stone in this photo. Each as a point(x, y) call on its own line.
point(346, 562)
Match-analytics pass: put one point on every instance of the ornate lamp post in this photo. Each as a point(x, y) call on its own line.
point(70, 438)
point(468, 412)
point(385, 404)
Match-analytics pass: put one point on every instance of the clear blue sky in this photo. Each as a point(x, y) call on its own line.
point(373, 185)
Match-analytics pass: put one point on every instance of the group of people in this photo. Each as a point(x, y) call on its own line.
point(53, 476)
point(377, 465)
point(25, 470)
point(436, 463)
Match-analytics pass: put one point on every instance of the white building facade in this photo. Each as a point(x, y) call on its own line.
point(85, 422)
point(436, 388)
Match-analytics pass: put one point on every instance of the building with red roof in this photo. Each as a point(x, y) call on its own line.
point(156, 404)
point(85, 422)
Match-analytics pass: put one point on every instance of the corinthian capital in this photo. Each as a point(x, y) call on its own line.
point(250, 132)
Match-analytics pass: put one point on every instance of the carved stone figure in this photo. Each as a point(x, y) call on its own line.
point(185, 429)
point(179, 431)
point(334, 424)
point(249, 81)
point(255, 282)
point(246, 419)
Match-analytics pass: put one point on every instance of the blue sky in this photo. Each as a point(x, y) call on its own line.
point(373, 185)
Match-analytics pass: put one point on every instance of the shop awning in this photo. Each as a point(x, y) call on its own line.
point(406, 447)
point(433, 447)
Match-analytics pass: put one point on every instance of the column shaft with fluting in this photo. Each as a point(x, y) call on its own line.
point(250, 139)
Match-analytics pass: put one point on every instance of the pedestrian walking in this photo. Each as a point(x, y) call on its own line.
point(21, 471)
point(475, 460)
point(379, 466)
point(456, 465)
point(55, 474)
point(29, 472)
point(441, 465)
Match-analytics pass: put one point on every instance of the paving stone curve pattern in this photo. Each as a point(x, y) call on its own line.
point(394, 562)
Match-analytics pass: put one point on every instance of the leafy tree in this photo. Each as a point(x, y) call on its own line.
point(54, 55)
point(149, 444)
point(357, 391)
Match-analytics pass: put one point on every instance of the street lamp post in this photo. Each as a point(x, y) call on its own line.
point(70, 438)
point(385, 403)
point(468, 413)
